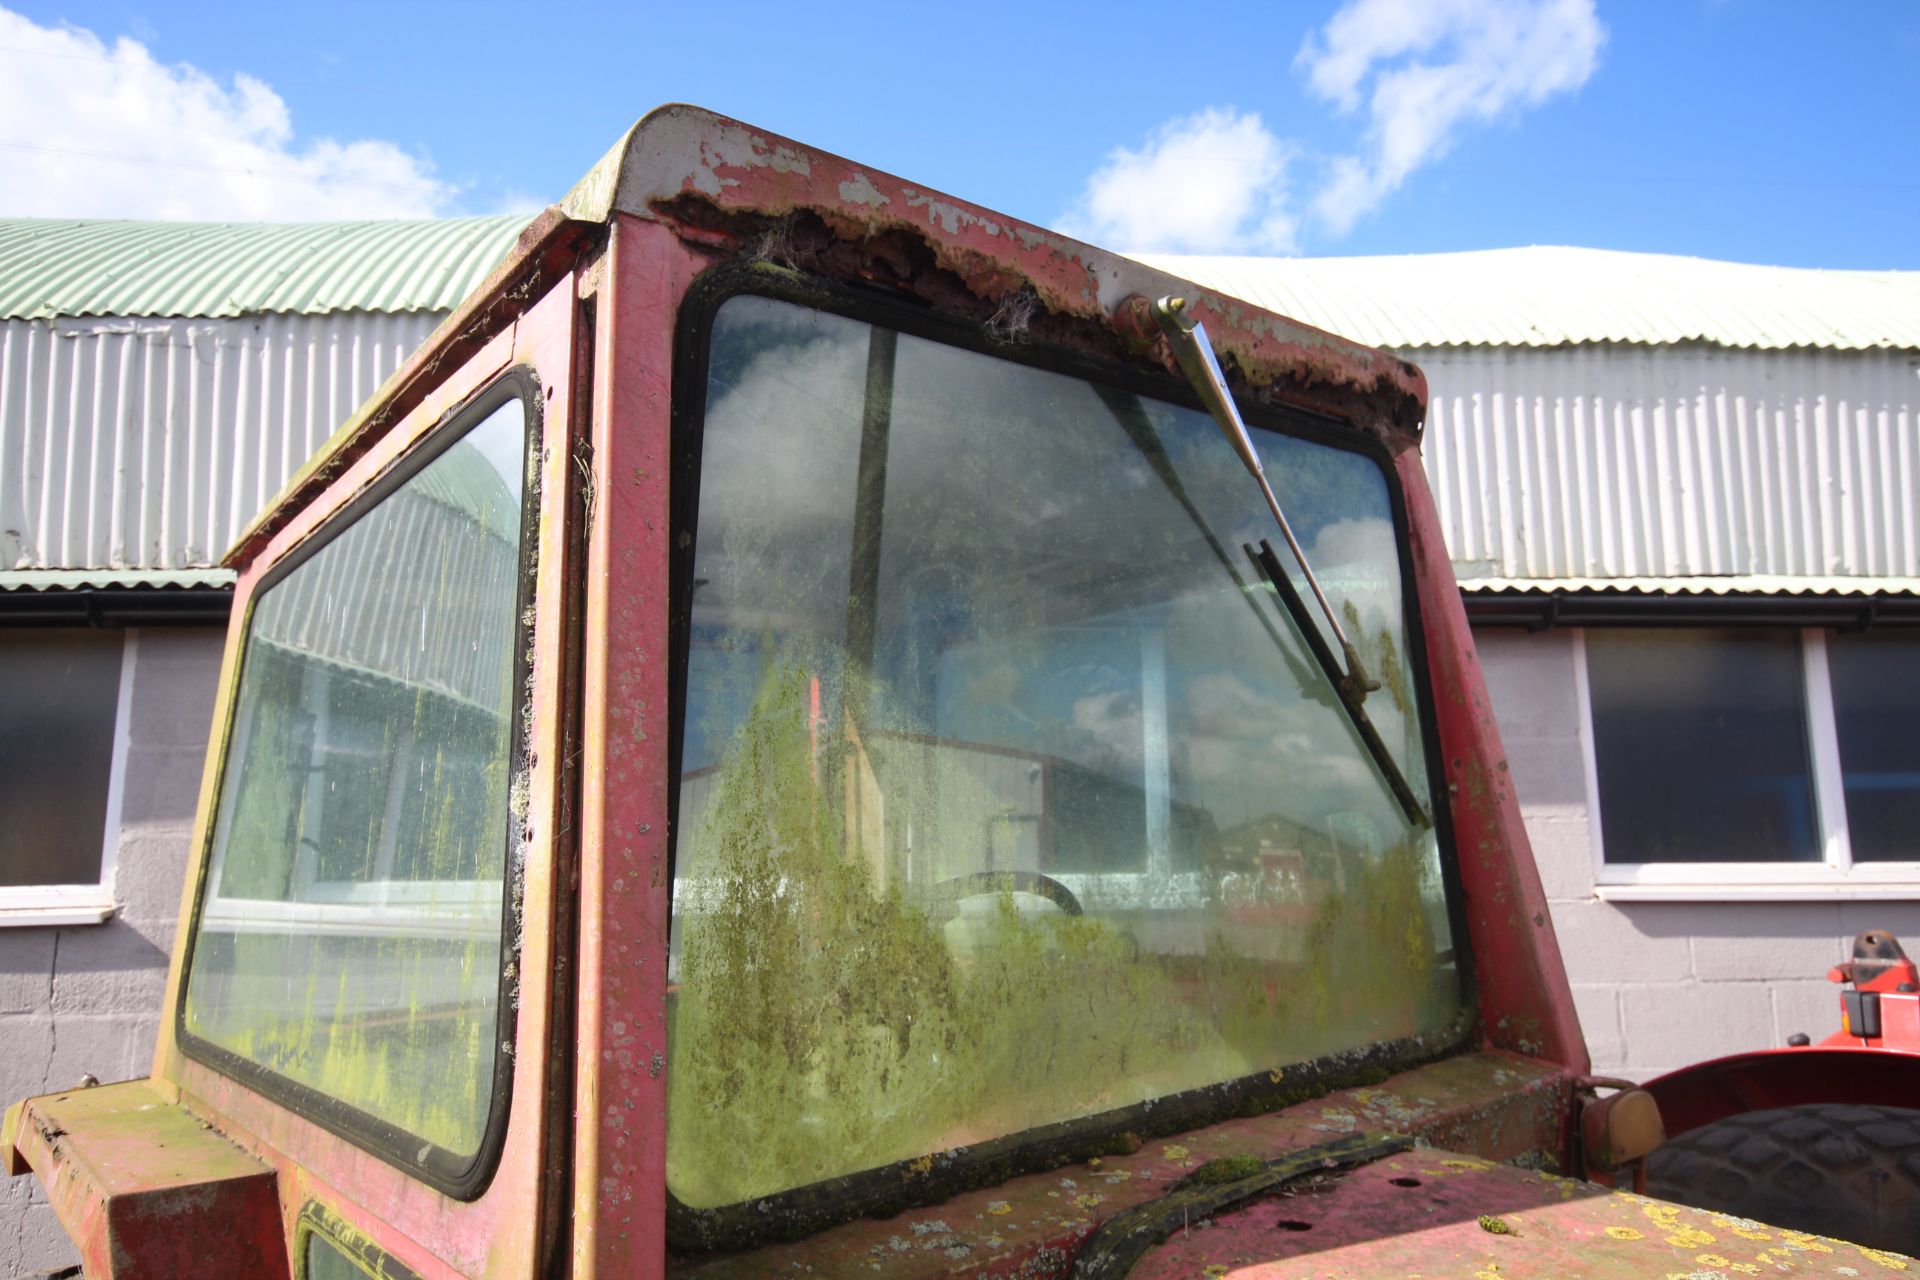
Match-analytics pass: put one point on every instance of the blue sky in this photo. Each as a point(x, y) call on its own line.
point(1743, 129)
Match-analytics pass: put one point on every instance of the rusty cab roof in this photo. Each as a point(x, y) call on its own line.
point(741, 192)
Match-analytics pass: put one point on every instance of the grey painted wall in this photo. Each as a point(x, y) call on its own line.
point(1659, 985)
point(86, 1000)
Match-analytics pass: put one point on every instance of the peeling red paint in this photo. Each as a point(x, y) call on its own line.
point(1437, 1213)
point(146, 1191)
point(1493, 1104)
point(1526, 1004)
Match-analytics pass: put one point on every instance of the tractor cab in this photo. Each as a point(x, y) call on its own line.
point(814, 728)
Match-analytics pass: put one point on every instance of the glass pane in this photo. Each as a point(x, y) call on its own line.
point(351, 940)
point(327, 1261)
point(1700, 741)
point(1876, 708)
point(59, 690)
point(1007, 798)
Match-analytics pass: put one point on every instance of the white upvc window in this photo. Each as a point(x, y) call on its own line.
point(1753, 762)
point(64, 700)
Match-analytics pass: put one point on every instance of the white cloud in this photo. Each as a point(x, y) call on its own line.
point(1211, 182)
point(1425, 68)
point(99, 131)
point(1219, 181)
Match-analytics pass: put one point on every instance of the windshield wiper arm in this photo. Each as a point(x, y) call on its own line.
point(1354, 705)
point(1188, 339)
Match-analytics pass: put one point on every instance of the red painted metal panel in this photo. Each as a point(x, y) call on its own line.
point(1436, 1213)
point(1030, 1226)
point(1526, 1004)
point(497, 1233)
point(144, 1190)
point(730, 181)
point(626, 881)
point(1709, 1091)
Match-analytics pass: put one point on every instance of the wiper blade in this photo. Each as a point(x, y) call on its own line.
point(1188, 339)
point(1352, 701)
point(1126, 410)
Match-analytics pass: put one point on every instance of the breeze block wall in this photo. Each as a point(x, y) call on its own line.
point(1658, 985)
point(85, 1000)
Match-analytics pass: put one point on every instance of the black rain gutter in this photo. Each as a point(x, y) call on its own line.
point(116, 607)
point(1545, 610)
point(210, 606)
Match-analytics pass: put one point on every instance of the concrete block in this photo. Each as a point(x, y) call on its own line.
point(1603, 943)
point(26, 967)
point(23, 1067)
point(109, 1047)
point(110, 968)
point(174, 679)
point(1902, 918)
point(1673, 1024)
point(1530, 679)
point(1563, 850)
point(17, 1194)
point(150, 866)
point(1745, 941)
point(1550, 776)
point(42, 1244)
point(158, 931)
point(1599, 1010)
point(1810, 1007)
point(162, 787)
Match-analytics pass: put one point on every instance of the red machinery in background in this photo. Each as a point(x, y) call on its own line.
point(1817, 1136)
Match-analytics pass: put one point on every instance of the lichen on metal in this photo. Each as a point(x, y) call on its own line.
point(680, 153)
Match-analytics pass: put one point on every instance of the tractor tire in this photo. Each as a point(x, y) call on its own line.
point(1851, 1172)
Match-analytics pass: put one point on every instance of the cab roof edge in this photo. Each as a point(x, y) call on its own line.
point(679, 152)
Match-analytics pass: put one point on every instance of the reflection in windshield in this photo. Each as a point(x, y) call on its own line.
point(350, 938)
point(1006, 798)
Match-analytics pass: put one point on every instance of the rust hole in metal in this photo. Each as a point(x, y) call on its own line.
point(1404, 1182)
point(1293, 1224)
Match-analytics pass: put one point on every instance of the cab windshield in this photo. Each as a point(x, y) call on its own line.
point(1009, 795)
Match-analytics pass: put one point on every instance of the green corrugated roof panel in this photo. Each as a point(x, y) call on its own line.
point(51, 268)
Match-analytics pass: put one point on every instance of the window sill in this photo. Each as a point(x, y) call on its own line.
point(47, 906)
point(1857, 891)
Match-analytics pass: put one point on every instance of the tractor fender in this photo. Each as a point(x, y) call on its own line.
point(1771, 1078)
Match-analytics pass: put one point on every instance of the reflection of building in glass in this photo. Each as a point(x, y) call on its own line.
point(1611, 434)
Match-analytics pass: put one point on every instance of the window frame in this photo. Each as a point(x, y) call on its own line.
point(1835, 877)
point(462, 1178)
point(86, 902)
point(934, 1176)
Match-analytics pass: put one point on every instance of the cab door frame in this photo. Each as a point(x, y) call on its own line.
point(323, 1176)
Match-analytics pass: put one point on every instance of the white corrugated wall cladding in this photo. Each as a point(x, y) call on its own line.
point(1614, 460)
point(150, 443)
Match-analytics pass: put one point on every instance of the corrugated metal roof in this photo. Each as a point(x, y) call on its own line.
point(1548, 296)
point(50, 269)
point(1747, 584)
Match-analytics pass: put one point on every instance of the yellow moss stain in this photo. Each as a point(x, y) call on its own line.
point(1891, 1261)
point(827, 1019)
